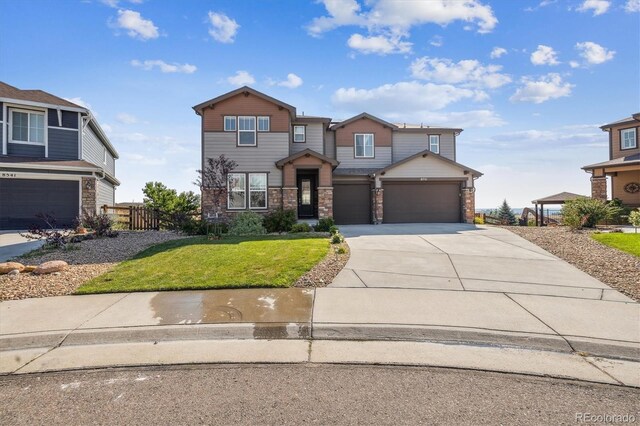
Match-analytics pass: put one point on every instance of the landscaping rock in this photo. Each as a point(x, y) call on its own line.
point(29, 268)
point(6, 267)
point(14, 272)
point(51, 267)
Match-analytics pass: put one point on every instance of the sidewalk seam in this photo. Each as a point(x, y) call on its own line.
point(361, 280)
point(603, 371)
point(551, 255)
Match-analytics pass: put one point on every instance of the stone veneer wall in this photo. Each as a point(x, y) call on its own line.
point(290, 198)
point(599, 188)
point(469, 207)
point(274, 202)
point(377, 205)
point(89, 195)
point(325, 202)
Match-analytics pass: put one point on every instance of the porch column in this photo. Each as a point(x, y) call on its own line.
point(325, 202)
point(469, 207)
point(599, 188)
point(377, 205)
point(89, 196)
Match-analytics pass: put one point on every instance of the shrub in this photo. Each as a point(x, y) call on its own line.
point(101, 224)
point(280, 220)
point(634, 219)
point(301, 227)
point(478, 220)
point(336, 239)
point(341, 250)
point(247, 223)
point(324, 224)
point(586, 212)
point(53, 237)
point(334, 230)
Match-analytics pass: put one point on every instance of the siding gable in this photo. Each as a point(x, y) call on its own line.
point(251, 105)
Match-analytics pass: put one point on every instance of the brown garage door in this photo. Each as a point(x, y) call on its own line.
point(420, 202)
point(351, 203)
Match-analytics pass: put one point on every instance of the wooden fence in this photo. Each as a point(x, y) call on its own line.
point(135, 218)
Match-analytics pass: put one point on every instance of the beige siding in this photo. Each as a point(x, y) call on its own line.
point(93, 151)
point(262, 158)
point(426, 167)
point(447, 146)
point(347, 160)
point(330, 144)
point(618, 184)
point(106, 193)
point(616, 151)
point(314, 133)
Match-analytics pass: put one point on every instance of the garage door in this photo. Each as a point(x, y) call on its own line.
point(22, 199)
point(352, 203)
point(420, 202)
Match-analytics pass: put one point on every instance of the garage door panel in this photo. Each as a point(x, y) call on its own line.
point(352, 203)
point(22, 199)
point(422, 202)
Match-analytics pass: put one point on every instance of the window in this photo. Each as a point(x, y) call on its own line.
point(247, 131)
point(263, 124)
point(628, 139)
point(257, 190)
point(237, 193)
point(229, 124)
point(27, 127)
point(364, 145)
point(299, 134)
point(434, 143)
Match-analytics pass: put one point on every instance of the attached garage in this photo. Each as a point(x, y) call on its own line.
point(352, 203)
point(422, 202)
point(22, 199)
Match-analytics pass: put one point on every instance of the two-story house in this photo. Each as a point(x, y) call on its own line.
point(54, 159)
point(360, 170)
point(623, 166)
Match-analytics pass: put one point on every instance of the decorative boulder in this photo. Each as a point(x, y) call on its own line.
point(6, 267)
point(14, 272)
point(50, 267)
point(29, 268)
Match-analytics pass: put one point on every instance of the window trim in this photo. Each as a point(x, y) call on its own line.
point(438, 138)
point(254, 131)
point(229, 192)
point(266, 190)
point(28, 112)
point(635, 130)
point(268, 123)
point(304, 133)
point(364, 151)
point(224, 123)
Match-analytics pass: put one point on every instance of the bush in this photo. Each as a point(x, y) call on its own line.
point(280, 220)
point(634, 219)
point(247, 223)
point(341, 250)
point(586, 212)
point(478, 220)
point(301, 227)
point(336, 239)
point(101, 224)
point(324, 224)
point(620, 214)
point(53, 237)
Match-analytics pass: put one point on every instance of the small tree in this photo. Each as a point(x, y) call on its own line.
point(505, 214)
point(214, 176)
point(174, 209)
point(634, 219)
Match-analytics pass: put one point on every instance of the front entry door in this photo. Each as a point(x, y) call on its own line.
point(306, 195)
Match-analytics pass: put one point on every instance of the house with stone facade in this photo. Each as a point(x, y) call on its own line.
point(54, 159)
point(623, 166)
point(360, 170)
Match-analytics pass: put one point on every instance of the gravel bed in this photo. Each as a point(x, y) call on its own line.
point(326, 270)
point(613, 267)
point(86, 260)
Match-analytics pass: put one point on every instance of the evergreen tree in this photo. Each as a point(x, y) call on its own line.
point(505, 214)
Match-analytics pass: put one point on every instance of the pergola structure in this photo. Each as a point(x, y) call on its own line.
point(560, 198)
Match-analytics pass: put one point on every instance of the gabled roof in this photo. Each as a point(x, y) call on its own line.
point(9, 92)
point(558, 198)
point(245, 90)
point(364, 115)
point(633, 119)
point(427, 153)
point(629, 160)
point(307, 152)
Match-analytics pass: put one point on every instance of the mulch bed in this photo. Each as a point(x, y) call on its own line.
point(613, 267)
point(326, 270)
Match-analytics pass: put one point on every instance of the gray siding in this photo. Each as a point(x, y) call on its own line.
point(63, 144)
point(407, 144)
point(22, 150)
point(346, 159)
point(262, 158)
point(447, 146)
point(314, 134)
point(93, 151)
point(106, 193)
point(330, 144)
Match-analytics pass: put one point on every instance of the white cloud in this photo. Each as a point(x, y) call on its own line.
point(498, 52)
point(241, 78)
point(467, 72)
point(380, 44)
point(546, 87)
point(593, 53)
point(223, 28)
point(125, 118)
point(164, 66)
point(292, 81)
point(136, 25)
point(79, 101)
point(597, 6)
point(436, 41)
point(114, 3)
point(632, 6)
point(544, 55)
point(574, 64)
point(142, 160)
point(464, 119)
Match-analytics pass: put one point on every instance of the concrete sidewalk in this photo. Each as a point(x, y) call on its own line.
point(12, 244)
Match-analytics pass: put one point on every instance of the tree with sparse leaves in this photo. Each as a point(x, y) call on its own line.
point(505, 214)
point(214, 176)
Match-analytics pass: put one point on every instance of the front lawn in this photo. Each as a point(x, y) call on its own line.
point(625, 242)
point(200, 263)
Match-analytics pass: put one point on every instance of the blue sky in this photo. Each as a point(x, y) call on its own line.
point(529, 81)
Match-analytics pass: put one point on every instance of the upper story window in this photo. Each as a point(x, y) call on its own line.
point(27, 127)
point(299, 134)
point(229, 124)
point(263, 124)
point(364, 146)
point(628, 139)
point(247, 131)
point(434, 143)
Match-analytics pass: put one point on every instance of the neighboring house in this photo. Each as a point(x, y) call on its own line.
point(54, 159)
point(624, 163)
point(360, 170)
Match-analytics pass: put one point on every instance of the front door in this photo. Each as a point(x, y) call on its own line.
point(306, 196)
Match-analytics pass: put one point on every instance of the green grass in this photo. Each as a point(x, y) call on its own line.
point(199, 263)
point(625, 242)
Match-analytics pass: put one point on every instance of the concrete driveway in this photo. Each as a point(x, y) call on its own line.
point(12, 244)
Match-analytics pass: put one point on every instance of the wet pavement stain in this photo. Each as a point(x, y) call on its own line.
point(283, 306)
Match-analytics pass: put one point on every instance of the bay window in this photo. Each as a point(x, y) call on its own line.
point(27, 127)
point(364, 147)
